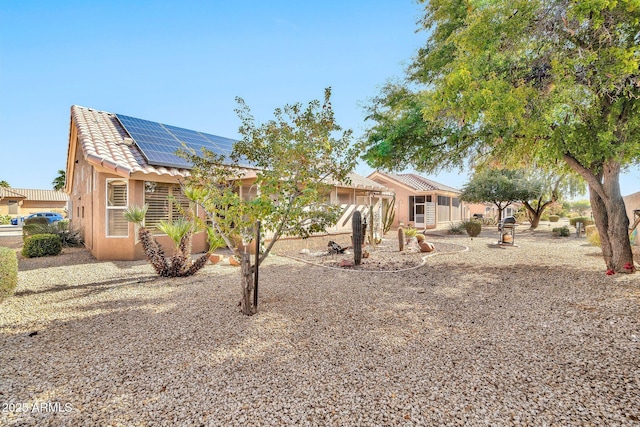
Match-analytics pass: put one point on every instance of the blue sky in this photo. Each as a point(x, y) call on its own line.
point(183, 63)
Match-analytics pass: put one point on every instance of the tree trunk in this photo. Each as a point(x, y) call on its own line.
point(611, 220)
point(535, 214)
point(246, 303)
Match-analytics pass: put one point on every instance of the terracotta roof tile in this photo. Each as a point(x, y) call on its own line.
point(420, 183)
point(103, 143)
point(34, 194)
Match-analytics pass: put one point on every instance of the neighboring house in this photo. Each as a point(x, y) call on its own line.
point(22, 201)
point(420, 201)
point(116, 161)
point(490, 210)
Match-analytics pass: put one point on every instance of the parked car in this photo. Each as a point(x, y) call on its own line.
point(51, 216)
point(17, 220)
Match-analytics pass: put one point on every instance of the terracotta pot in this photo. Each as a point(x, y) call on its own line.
point(233, 261)
point(215, 258)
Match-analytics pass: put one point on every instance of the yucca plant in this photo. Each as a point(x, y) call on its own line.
point(180, 231)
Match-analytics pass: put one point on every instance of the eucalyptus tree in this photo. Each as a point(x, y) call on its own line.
point(523, 82)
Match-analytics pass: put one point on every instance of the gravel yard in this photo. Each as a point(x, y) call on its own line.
point(530, 335)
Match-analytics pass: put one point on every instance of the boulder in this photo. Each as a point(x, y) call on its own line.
point(426, 246)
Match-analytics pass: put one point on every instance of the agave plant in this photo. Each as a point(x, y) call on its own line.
point(180, 231)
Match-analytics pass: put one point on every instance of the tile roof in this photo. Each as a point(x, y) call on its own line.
point(33, 194)
point(102, 138)
point(419, 183)
point(106, 143)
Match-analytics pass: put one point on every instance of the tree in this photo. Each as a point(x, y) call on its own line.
point(552, 186)
point(524, 82)
point(4, 184)
point(296, 157)
point(59, 181)
point(580, 206)
point(498, 186)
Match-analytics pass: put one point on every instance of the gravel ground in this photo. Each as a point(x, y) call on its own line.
point(529, 335)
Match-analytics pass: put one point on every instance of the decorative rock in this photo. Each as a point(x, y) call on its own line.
point(346, 263)
point(426, 246)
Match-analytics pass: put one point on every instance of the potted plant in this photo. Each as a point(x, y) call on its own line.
point(215, 241)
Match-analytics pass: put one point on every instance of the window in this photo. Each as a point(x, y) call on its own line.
point(455, 202)
point(444, 201)
point(165, 202)
point(117, 225)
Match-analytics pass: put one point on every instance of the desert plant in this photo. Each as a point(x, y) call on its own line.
point(8, 272)
point(5, 219)
point(358, 237)
point(389, 216)
point(420, 238)
point(39, 245)
point(181, 232)
point(593, 237)
point(473, 228)
point(69, 234)
point(410, 232)
point(554, 218)
point(400, 239)
point(561, 231)
point(33, 226)
point(456, 228)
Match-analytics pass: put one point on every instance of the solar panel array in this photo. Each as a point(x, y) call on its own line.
point(159, 142)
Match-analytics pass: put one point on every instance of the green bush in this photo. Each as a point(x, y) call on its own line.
point(42, 245)
point(410, 232)
point(8, 272)
point(583, 219)
point(561, 231)
point(69, 235)
point(472, 227)
point(33, 226)
point(544, 217)
point(5, 219)
point(554, 218)
point(456, 228)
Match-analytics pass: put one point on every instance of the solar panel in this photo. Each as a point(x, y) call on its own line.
point(159, 142)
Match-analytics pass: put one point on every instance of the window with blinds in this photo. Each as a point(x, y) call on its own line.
point(117, 225)
point(165, 202)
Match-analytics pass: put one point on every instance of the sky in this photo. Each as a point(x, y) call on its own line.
point(184, 62)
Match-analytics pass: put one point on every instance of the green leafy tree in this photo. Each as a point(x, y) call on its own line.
point(551, 187)
point(523, 82)
point(59, 181)
point(296, 159)
point(580, 206)
point(498, 186)
point(4, 184)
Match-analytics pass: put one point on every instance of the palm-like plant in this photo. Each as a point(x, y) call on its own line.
point(58, 182)
point(180, 231)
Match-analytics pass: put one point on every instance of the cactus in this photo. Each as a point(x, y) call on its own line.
point(358, 237)
point(389, 216)
point(401, 239)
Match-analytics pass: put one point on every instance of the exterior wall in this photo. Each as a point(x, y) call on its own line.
point(444, 214)
point(27, 207)
point(632, 202)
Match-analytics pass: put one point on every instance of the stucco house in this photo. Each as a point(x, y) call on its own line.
point(420, 201)
point(115, 161)
point(17, 202)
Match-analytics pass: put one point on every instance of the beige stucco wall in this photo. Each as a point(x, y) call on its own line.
point(631, 203)
point(27, 207)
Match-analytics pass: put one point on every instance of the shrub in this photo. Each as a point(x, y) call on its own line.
point(554, 218)
point(583, 219)
point(5, 219)
point(456, 228)
point(561, 231)
point(544, 217)
point(593, 237)
point(8, 272)
point(70, 235)
point(410, 232)
point(42, 245)
point(472, 227)
point(33, 226)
